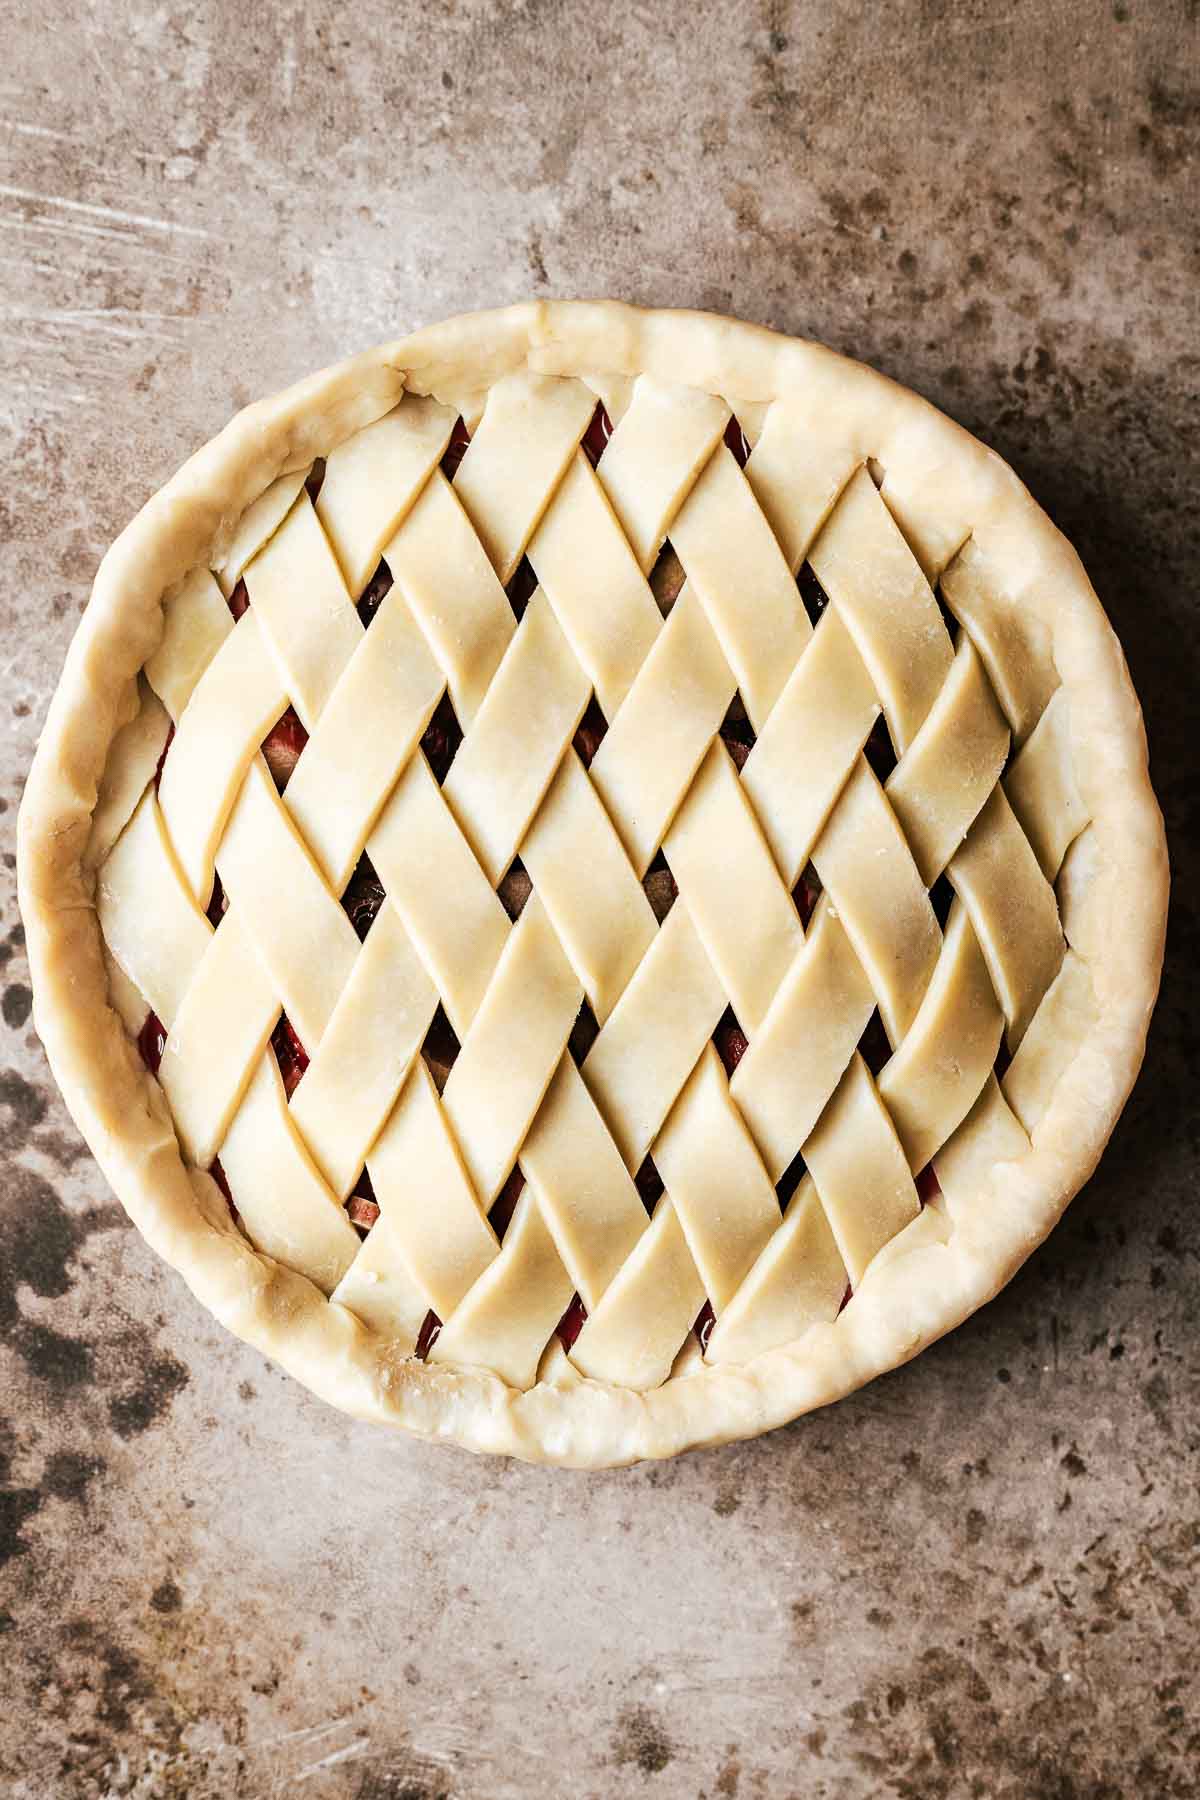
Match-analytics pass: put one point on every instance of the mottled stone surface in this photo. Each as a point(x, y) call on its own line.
point(979, 1577)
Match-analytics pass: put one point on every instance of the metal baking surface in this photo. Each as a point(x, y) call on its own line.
point(977, 1577)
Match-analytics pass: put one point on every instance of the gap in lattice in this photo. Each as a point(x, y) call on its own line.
point(879, 750)
point(706, 1318)
point(428, 1335)
point(219, 1176)
point(595, 439)
point(649, 1184)
point(441, 739)
point(514, 889)
point(455, 450)
point(667, 578)
point(290, 1054)
point(941, 898)
point(806, 893)
point(505, 1204)
point(737, 441)
point(218, 903)
point(584, 1032)
point(314, 480)
point(364, 896)
point(873, 1045)
point(379, 585)
point(876, 471)
point(152, 1041)
point(948, 618)
point(440, 1048)
point(1003, 1058)
point(730, 1040)
point(162, 756)
point(926, 1184)
point(812, 594)
point(362, 1208)
point(571, 1323)
point(521, 588)
point(659, 886)
point(282, 747)
point(589, 733)
point(847, 1297)
point(790, 1180)
point(239, 601)
point(737, 733)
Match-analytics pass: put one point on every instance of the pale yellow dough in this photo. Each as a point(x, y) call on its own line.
point(1020, 778)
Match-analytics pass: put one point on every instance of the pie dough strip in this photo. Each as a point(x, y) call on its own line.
point(371, 724)
point(657, 741)
point(511, 1051)
point(738, 573)
point(1042, 789)
point(373, 478)
point(591, 577)
point(865, 864)
point(439, 565)
point(217, 736)
point(1013, 643)
point(799, 1281)
point(288, 1211)
point(520, 450)
point(586, 1194)
point(508, 757)
point(260, 521)
point(940, 783)
point(377, 1028)
point(875, 581)
point(432, 1241)
point(990, 1135)
point(860, 1170)
point(796, 476)
point(796, 1059)
point(634, 1334)
point(716, 1181)
point(1065, 1016)
point(654, 455)
point(933, 1079)
point(135, 754)
point(1013, 910)
point(650, 1045)
point(505, 1321)
point(744, 915)
point(304, 610)
point(300, 933)
point(163, 941)
point(810, 744)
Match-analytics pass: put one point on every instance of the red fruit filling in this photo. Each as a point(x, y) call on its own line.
point(290, 1054)
point(282, 746)
point(455, 450)
point(812, 593)
point(152, 1041)
point(158, 767)
point(927, 1185)
point(379, 585)
point(571, 1323)
point(590, 733)
point(239, 601)
point(441, 739)
point(596, 436)
point(735, 437)
point(806, 893)
point(705, 1320)
point(879, 751)
point(427, 1337)
point(648, 1183)
point(505, 1204)
point(363, 897)
point(218, 904)
point(731, 1041)
point(846, 1298)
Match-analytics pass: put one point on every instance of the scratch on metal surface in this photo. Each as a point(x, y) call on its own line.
point(348, 1754)
point(103, 212)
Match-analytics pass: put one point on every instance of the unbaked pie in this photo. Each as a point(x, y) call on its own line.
point(591, 879)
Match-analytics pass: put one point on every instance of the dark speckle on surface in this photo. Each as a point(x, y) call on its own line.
point(976, 1578)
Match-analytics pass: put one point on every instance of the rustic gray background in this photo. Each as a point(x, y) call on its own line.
point(980, 1576)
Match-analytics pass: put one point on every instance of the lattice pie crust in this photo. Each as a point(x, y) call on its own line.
point(627, 843)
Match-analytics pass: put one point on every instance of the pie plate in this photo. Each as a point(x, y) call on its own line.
point(591, 879)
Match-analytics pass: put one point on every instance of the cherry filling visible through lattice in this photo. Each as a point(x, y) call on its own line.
point(707, 845)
